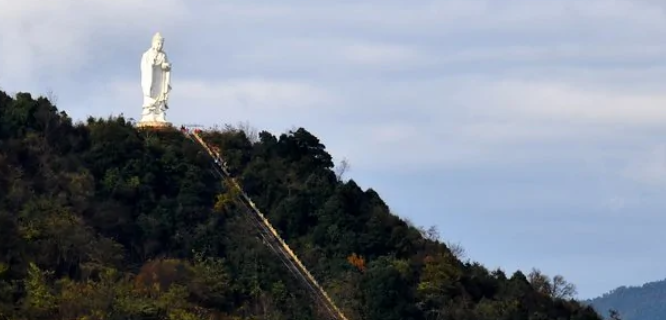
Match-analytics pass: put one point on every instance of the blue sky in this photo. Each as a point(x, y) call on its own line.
point(530, 131)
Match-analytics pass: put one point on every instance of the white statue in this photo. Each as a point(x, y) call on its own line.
point(155, 82)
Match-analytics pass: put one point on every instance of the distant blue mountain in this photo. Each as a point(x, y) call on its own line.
point(647, 302)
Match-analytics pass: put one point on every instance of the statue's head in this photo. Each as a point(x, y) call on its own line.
point(158, 42)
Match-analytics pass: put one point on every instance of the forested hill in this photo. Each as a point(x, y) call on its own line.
point(647, 302)
point(101, 221)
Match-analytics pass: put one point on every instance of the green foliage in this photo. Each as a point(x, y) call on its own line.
point(99, 220)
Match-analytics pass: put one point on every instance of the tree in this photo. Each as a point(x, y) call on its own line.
point(342, 168)
point(250, 132)
point(53, 98)
point(614, 314)
point(357, 261)
point(562, 289)
point(556, 287)
point(438, 284)
point(457, 250)
point(431, 233)
point(100, 220)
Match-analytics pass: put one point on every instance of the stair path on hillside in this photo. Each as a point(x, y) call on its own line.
point(270, 236)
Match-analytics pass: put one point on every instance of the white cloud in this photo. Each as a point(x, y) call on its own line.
point(555, 86)
point(563, 102)
point(256, 95)
point(410, 147)
point(456, 16)
point(264, 102)
point(41, 38)
point(554, 52)
point(36, 34)
point(520, 132)
point(393, 133)
point(449, 117)
point(381, 54)
point(474, 122)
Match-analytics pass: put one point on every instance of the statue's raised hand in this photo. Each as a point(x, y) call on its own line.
point(166, 66)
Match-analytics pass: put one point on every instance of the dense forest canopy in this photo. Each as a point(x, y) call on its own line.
point(99, 220)
point(646, 302)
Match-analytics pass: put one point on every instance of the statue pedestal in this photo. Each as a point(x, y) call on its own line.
point(154, 125)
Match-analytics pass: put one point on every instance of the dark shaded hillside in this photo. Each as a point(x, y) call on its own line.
point(101, 221)
point(647, 302)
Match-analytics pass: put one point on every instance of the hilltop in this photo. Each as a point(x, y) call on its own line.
point(99, 220)
point(646, 302)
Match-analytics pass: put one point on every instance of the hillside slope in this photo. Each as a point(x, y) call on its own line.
point(647, 302)
point(101, 221)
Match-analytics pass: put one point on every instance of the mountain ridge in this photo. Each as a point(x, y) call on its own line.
point(641, 302)
point(101, 220)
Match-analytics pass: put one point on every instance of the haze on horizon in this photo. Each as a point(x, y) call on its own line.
point(530, 132)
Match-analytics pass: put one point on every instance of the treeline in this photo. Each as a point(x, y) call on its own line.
point(99, 220)
point(646, 302)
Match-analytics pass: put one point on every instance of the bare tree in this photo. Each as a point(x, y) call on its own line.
point(557, 287)
point(432, 233)
point(52, 97)
point(227, 128)
point(562, 288)
point(342, 168)
point(422, 230)
point(457, 250)
point(539, 281)
point(251, 132)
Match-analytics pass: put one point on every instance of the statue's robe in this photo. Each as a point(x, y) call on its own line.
point(155, 83)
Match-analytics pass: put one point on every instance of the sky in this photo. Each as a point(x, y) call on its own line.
point(532, 132)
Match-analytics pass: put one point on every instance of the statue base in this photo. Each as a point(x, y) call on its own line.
point(154, 125)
